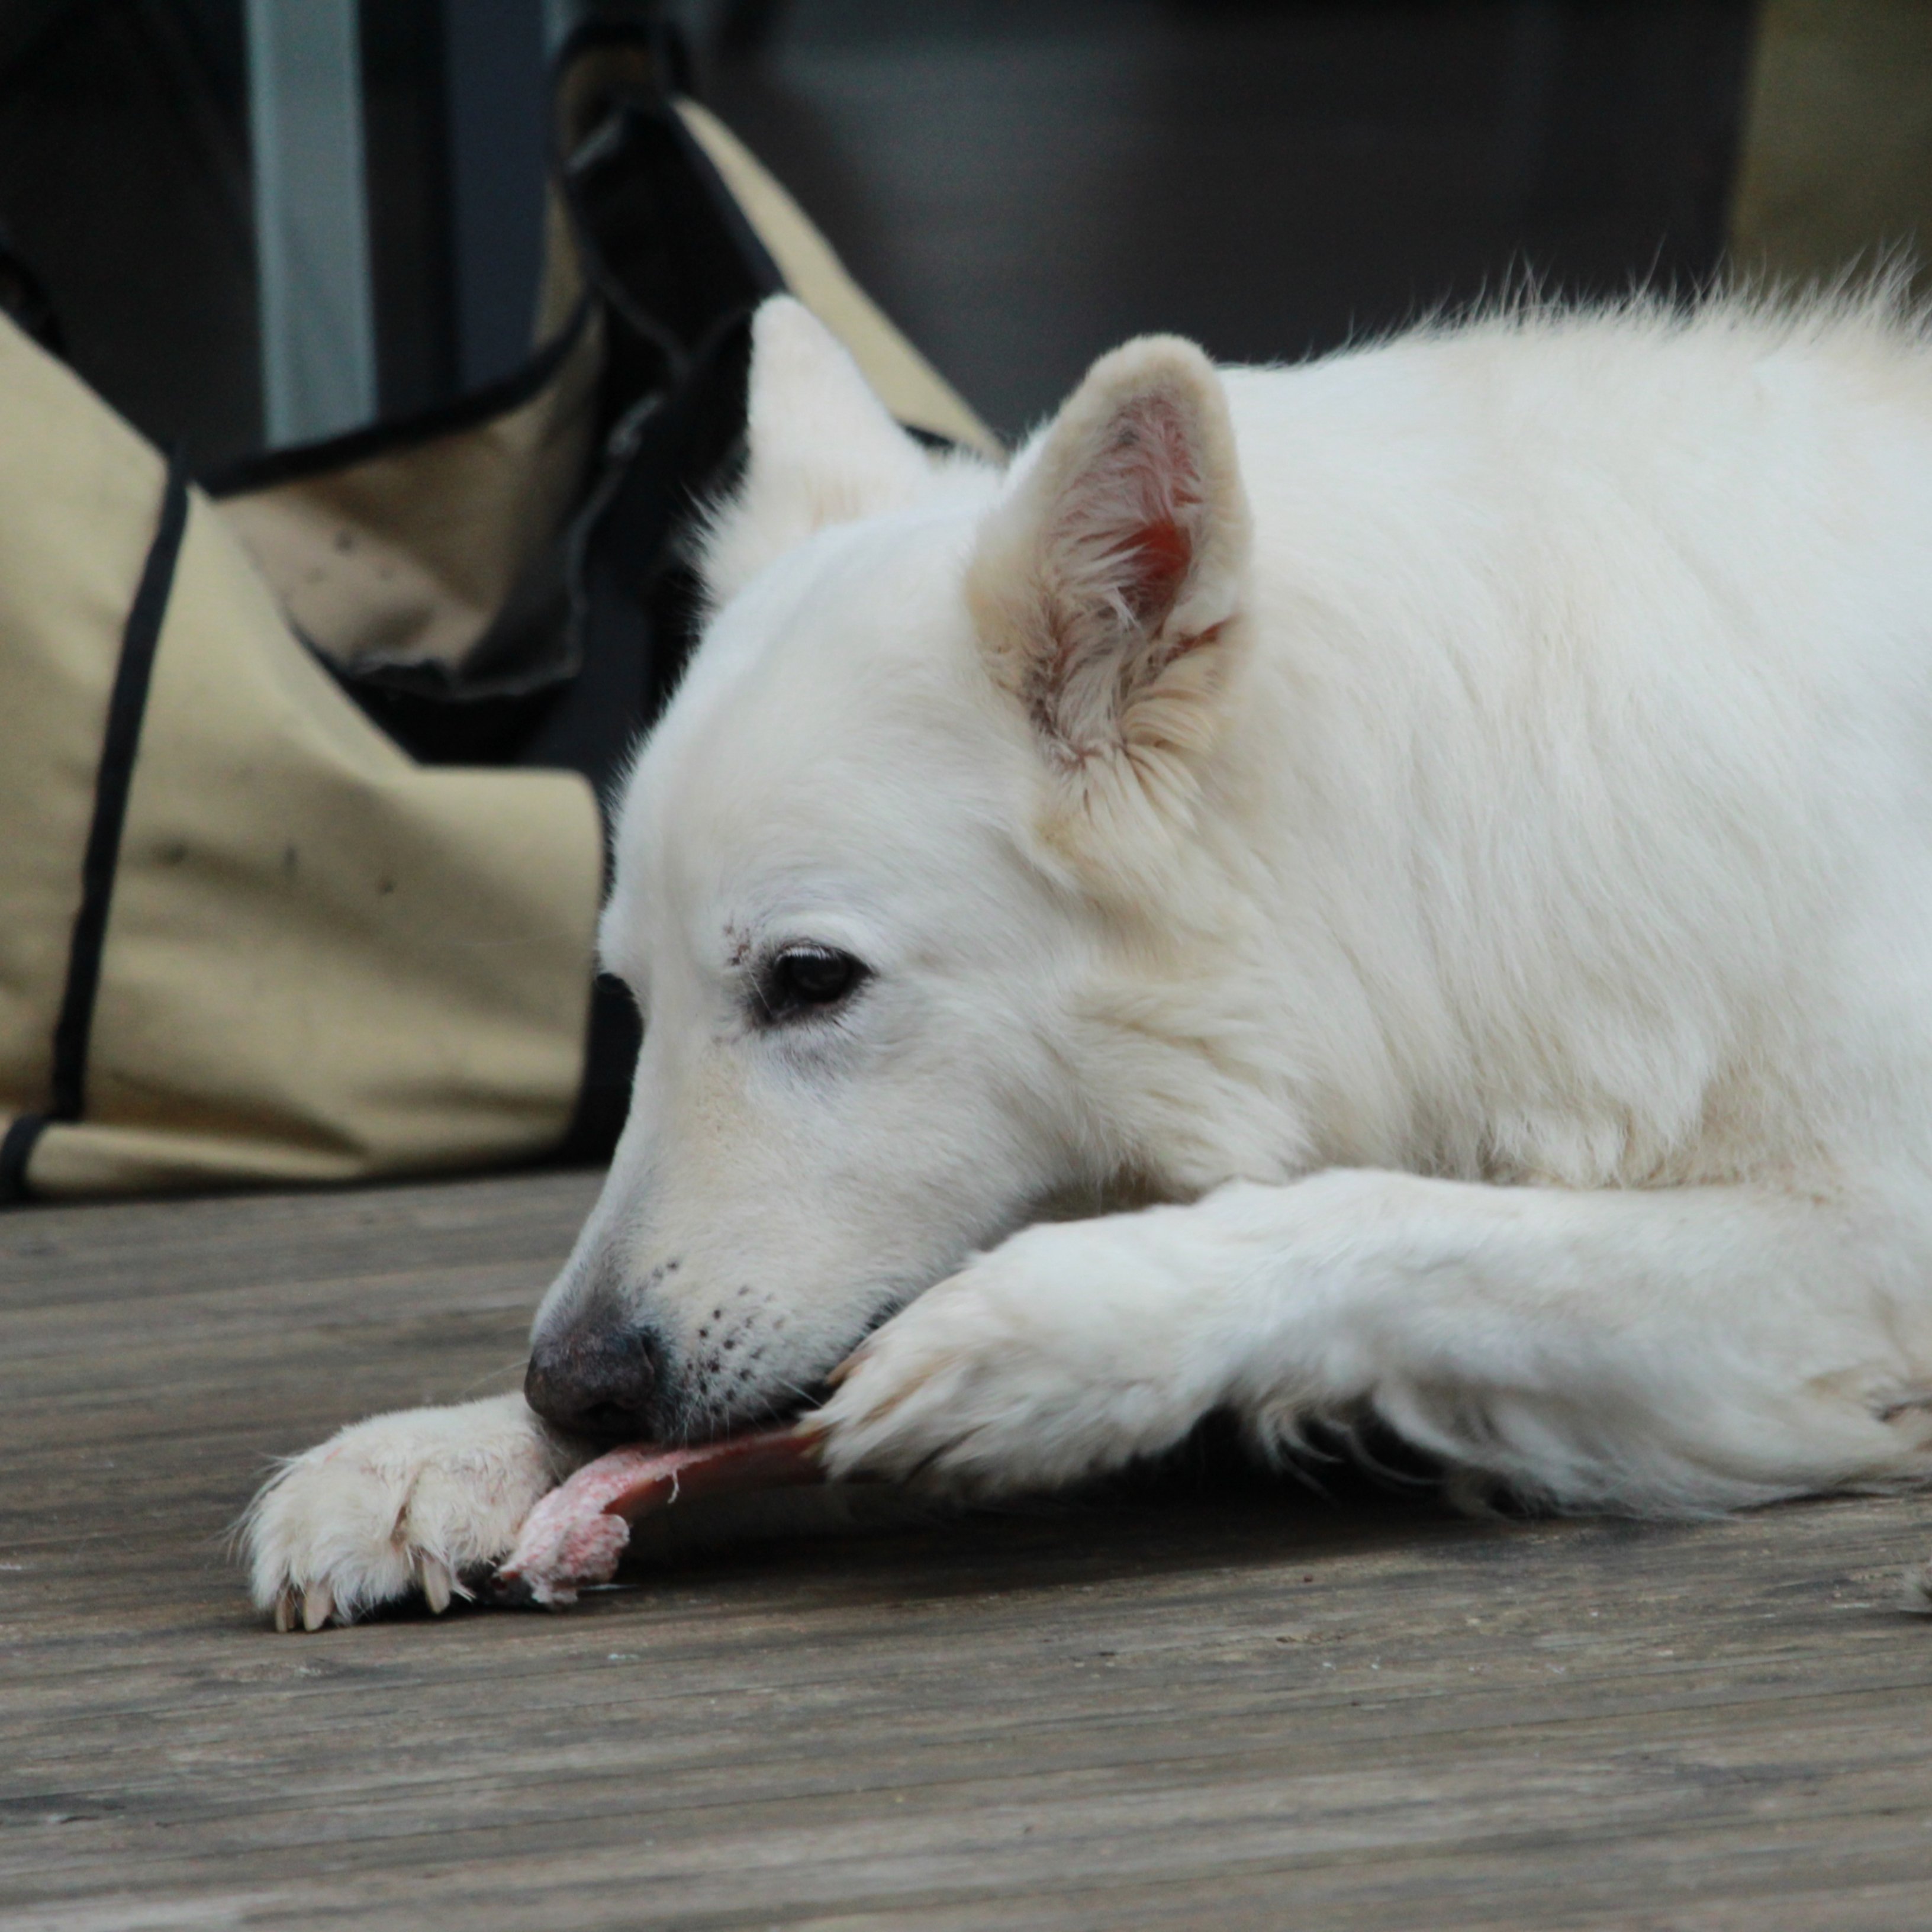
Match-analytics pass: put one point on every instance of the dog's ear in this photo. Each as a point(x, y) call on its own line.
point(821, 449)
point(1108, 585)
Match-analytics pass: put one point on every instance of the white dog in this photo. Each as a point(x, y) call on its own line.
point(1440, 839)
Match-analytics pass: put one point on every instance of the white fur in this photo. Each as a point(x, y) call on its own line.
point(1453, 822)
point(416, 1500)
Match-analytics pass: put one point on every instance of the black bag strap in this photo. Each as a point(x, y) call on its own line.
point(120, 740)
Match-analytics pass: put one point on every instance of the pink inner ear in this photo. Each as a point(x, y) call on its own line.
point(1123, 542)
point(1160, 555)
point(1162, 485)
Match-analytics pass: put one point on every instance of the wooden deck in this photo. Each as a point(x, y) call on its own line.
point(1209, 1708)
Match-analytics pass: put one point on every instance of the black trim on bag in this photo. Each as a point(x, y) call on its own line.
point(471, 410)
point(120, 740)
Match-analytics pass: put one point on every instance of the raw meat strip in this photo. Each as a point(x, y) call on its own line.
point(575, 1536)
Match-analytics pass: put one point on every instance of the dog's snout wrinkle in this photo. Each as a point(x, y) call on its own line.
point(601, 1382)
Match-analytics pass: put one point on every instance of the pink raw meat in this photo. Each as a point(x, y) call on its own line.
point(575, 1536)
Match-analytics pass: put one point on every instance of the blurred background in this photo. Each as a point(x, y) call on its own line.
point(255, 222)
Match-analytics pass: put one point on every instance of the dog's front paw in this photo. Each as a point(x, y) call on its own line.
point(1064, 1352)
point(417, 1501)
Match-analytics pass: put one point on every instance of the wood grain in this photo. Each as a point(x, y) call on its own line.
point(1204, 1702)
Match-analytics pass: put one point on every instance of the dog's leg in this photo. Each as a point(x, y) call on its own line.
point(1672, 1350)
point(416, 1500)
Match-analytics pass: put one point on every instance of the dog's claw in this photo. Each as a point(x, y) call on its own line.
point(318, 1606)
point(285, 1611)
point(436, 1585)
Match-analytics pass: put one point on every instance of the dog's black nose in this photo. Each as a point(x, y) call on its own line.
point(597, 1381)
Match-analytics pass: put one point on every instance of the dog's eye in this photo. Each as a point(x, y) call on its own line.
point(803, 977)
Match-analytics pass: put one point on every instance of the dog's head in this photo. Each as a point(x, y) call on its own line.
point(910, 809)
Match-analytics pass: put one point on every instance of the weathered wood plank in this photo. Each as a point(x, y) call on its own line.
point(1225, 1704)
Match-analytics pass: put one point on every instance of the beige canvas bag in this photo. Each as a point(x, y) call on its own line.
point(244, 936)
